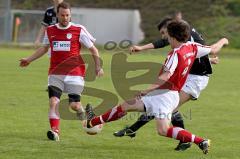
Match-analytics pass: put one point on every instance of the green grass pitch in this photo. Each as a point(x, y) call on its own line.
point(24, 117)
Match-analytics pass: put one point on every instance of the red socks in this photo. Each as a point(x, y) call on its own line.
point(111, 115)
point(54, 123)
point(183, 135)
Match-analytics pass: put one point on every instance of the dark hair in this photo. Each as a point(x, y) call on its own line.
point(63, 5)
point(180, 30)
point(164, 23)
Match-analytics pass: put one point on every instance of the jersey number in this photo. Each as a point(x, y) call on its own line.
point(187, 68)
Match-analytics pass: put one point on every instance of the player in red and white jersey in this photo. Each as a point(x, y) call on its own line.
point(196, 82)
point(183, 56)
point(65, 44)
point(161, 98)
point(67, 68)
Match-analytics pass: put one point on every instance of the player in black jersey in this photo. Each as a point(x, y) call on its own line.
point(196, 82)
point(50, 18)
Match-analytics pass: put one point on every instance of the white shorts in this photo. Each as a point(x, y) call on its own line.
point(68, 84)
point(161, 103)
point(194, 85)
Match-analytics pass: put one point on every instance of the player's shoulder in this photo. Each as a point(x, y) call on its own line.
point(191, 43)
point(78, 25)
point(50, 12)
point(185, 47)
point(50, 9)
point(193, 29)
point(51, 27)
point(194, 34)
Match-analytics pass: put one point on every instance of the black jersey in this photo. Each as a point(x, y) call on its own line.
point(201, 66)
point(50, 17)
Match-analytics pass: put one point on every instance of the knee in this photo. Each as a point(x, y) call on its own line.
point(75, 106)
point(162, 131)
point(134, 104)
point(74, 101)
point(124, 107)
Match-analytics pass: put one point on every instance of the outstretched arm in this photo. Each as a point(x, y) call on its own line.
point(37, 54)
point(155, 45)
point(161, 80)
point(136, 48)
point(213, 49)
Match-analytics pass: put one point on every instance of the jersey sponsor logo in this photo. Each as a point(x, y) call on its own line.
point(69, 36)
point(61, 45)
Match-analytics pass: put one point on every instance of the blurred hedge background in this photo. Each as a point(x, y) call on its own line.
point(212, 18)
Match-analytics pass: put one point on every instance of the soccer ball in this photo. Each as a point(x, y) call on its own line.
point(92, 131)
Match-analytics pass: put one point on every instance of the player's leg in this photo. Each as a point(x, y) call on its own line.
point(161, 104)
point(131, 130)
point(116, 113)
point(73, 85)
point(55, 88)
point(164, 129)
point(75, 105)
point(190, 91)
point(54, 117)
point(192, 88)
point(142, 120)
point(177, 120)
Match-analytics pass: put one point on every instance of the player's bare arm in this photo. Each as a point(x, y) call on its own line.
point(96, 57)
point(38, 53)
point(215, 48)
point(40, 36)
point(136, 48)
point(161, 80)
point(214, 60)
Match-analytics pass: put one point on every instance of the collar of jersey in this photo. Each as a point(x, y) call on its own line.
point(63, 28)
point(175, 49)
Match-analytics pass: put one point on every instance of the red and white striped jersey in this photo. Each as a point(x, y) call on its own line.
point(65, 44)
point(179, 62)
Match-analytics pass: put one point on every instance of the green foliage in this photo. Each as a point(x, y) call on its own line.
point(217, 27)
point(234, 6)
